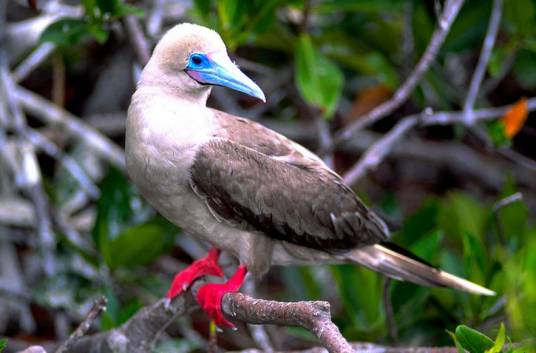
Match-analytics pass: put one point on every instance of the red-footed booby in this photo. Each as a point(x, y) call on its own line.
point(241, 186)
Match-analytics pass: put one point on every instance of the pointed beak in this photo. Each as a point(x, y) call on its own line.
point(222, 72)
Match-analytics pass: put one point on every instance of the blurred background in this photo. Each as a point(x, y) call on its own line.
point(461, 196)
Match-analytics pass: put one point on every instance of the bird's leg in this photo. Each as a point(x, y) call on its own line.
point(205, 266)
point(210, 295)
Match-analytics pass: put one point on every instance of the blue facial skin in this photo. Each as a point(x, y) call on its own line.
point(219, 70)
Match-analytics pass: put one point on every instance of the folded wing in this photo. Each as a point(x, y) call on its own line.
point(295, 199)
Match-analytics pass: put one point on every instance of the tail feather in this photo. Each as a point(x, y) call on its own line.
point(400, 264)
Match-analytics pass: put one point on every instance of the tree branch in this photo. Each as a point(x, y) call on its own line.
point(52, 114)
point(141, 331)
point(369, 348)
point(98, 307)
point(480, 70)
point(137, 39)
point(379, 150)
point(450, 11)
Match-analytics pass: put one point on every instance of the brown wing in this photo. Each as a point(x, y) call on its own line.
point(301, 202)
point(261, 139)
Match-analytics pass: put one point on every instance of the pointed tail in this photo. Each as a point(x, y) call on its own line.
point(398, 263)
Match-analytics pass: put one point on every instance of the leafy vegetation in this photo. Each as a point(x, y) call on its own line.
point(341, 54)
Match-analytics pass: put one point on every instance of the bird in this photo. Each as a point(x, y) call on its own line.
point(241, 187)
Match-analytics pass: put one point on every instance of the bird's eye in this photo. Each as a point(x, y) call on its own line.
point(196, 59)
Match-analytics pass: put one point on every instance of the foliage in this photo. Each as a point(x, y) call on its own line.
point(352, 47)
point(459, 234)
point(473, 341)
point(98, 14)
point(3, 344)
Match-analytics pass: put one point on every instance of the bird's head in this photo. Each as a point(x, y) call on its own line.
point(197, 55)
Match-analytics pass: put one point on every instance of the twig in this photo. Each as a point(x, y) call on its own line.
point(306, 14)
point(155, 18)
point(377, 152)
point(368, 348)
point(514, 156)
point(408, 43)
point(69, 163)
point(137, 39)
point(260, 336)
point(498, 206)
point(51, 114)
point(388, 308)
point(450, 11)
point(58, 80)
point(98, 307)
point(29, 172)
point(478, 74)
point(32, 61)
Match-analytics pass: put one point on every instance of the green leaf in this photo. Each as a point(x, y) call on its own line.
point(118, 208)
point(456, 343)
point(382, 69)
point(110, 318)
point(115, 9)
point(462, 214)
point(500, 340)
point(361, 293)
point(497, 132)
point(497, 59)
point(328, 6)
point(3, 344)
point(317, 78)
point(66, 31)
point(472, 340)
point(520, 15)
point(140, 244)
point(524, 69)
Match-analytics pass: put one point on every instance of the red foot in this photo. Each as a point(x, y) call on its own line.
point(205, 266)
point(210, 296)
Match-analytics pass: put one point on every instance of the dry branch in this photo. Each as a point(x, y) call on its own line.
point(381, 148)
point(369, 348)
point(98, 307)
point(450, 11)
point(485, 53)
point(52, 114)
point(142, 330)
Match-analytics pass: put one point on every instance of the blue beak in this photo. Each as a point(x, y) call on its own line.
point(218, 69)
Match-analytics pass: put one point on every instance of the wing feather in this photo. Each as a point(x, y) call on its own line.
point(302, 202)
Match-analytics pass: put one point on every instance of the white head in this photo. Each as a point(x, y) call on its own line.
point(189, 59)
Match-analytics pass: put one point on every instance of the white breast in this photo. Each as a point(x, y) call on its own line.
point(162, 136)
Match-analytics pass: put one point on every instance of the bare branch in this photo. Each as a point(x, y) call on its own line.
point(33, 60)
point(29, 173)
point(497, 207)
point(140, 332)
point(480, 70)
point(52, 114)
point(98, 307)
point(137, 39)
point(379, 150)
point(69, 163)
point(369, 348)
point(450, 11)
point(313, 316)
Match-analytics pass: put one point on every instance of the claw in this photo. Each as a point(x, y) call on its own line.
point(210, 296)
point(205, 266)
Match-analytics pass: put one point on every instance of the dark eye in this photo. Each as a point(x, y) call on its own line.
point(196, 59)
